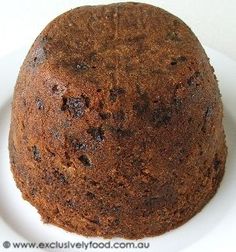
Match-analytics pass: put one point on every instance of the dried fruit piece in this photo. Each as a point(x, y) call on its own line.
point(82, 67)
point(75, 105)
point(96, 133)
point(78, 145)
point(85, 160)
point(39, 103)
point(36, 154)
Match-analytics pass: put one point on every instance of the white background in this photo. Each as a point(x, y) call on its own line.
point(213, 21)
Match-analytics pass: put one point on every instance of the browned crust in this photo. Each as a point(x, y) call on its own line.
point(116, 123)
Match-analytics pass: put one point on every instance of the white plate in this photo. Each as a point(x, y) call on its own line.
point(213, 227)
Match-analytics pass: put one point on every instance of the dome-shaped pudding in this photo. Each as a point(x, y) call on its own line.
point(116, 123)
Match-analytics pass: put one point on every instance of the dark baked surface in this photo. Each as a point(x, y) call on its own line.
point(116, 123)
